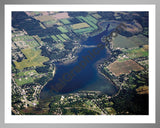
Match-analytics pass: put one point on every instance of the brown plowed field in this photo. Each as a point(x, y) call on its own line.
point(118, 68)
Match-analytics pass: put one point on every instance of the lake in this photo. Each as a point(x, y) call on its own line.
point(87, 79)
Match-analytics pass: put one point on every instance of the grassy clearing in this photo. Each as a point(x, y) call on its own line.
point(34, 58)
point(122, 58)
point(22, 81)
point(27, 73)
point(62, 29)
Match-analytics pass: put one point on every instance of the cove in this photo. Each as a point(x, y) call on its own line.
point(87, 79)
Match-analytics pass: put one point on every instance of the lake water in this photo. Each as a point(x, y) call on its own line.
point(87, 79)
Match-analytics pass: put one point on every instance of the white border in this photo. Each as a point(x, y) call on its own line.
point(79, 119)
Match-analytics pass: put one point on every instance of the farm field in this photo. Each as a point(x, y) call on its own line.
point(65, 36)
point(60, 37)
point(136, 53)
point(63, 15)
point(139, 40)
point(97, 16)
point(79, 26)
point(125, 67)
point(87, 20)
point(33, 59)
point(84, 30)
point(21, 41)
point(39, 39)
point(49, 23)
point(133, 53)
point(33, 13)
point(65, 21)
point(54, 38)
point(129, 42)
point(90, 18)
point(44, 18)
point(62, 29)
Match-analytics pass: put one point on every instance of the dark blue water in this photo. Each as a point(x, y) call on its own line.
point(87, 78)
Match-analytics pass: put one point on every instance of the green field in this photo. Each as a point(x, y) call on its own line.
point(133, 53)
point(27, 73)
point(129, 42)
point(54, 38)
point(97, 16)
point(123, 42)
point(84, 30)
point(139, 40)
point(60, 37)
point(80, 25)
point(20, 38)
point(32, 43)
point(92, 19)
point(65, 36)
point(136, 53)
point(34, 58)
point(22, 81)
point(49, 23)
point(62, 29)
point(39, 40)
point(88, 20)
point(65, 21)
point(29, 40)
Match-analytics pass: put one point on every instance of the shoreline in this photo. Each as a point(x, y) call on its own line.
point(53, 74)
point(119, 87)
point(54, 71)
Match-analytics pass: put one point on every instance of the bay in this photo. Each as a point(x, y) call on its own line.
point(87, 79)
